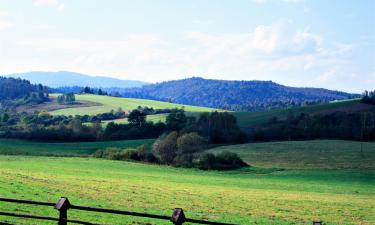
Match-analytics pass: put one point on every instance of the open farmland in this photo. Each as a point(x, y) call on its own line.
point(317, 154)
point(275, 191)
point(244, 197)
point(107, 103)
point(21, 147)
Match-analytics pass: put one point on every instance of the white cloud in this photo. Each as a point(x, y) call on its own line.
point(45, 2)
point(328, 76)
point(5, 24)
point(43, 27)
point(276, 51)
point(3, 13)
point(55, 3)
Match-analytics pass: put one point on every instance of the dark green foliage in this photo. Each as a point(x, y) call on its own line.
point(141, 153)
point(335, 125)
point(218, 128)
point(68, 98)
point(176, 120)
point(137, 118)
point(222, 161)
point(165, 147)
point(15, 92)
point(233, 95)
point(368, 97)
point(88, 90)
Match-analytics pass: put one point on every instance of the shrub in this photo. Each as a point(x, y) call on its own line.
point(222, 161)
point(165, 147)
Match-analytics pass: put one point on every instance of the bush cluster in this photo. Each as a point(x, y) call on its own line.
point(141, 153)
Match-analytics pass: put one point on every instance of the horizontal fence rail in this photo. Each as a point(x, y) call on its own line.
point(63, 205)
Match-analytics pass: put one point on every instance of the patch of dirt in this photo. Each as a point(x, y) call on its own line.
point(52, 105)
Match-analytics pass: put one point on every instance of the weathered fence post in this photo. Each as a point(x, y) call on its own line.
point(63, 205)
point(178, 216)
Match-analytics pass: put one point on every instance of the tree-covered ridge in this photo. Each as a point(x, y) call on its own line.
point(12, 89)
point(234, 95)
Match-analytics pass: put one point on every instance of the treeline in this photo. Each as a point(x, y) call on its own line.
point(368, 97)
point(17, 92)
point(336, 125)
point(215, 127)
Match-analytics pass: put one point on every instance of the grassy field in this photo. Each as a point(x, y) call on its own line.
point(20, 147)
point(154, 118)
point(319, 154)
point(108, 103)
point(247, 196)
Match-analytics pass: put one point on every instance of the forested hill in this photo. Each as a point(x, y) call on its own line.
point(23, 91)
point(233, 95)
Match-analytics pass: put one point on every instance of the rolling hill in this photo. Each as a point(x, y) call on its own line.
point(107, 103)
point(66, 78)
point(315, 154)
point(233, 95)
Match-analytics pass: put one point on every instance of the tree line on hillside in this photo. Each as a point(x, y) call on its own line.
point(302, 126)
point(368, 97)
point(228, 95)
point(216, 127)
point(234, 95)
point(16, 92)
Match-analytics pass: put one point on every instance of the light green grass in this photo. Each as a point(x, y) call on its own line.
point(20, 147)
point(154, 118)
point(318, 154)
point(113, 103)
point(247, 196)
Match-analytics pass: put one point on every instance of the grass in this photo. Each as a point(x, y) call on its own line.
point(108, 103)
point(154, 118)
point(246, 196)
point(21, 147)
point(318, 154)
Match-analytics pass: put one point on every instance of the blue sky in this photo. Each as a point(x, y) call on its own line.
point(315, 43)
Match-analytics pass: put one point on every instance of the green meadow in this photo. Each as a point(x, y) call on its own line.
point(316, 154)
point(275, 190)
point(21, 147)
point(253, 195)
point(107, 103)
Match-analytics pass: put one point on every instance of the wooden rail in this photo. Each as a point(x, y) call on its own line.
point(63, 205)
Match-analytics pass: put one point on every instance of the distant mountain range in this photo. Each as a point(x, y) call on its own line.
point(234, 95)
point(66, 79)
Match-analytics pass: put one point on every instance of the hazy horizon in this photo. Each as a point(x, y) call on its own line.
point(298, 43)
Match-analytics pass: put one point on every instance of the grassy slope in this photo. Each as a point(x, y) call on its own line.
point(154, 118)
point(108, 103)
point(319, 154)
point(20, 147)
point(241, 197)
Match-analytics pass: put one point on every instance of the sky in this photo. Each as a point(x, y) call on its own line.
point(304, 43)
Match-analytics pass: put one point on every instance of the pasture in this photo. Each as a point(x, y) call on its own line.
point(274, 191)
point(316, 154)
point(21, 147)
point(252, 195)
point(108, 103)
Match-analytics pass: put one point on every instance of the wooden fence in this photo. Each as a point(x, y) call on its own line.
point(63, 205)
